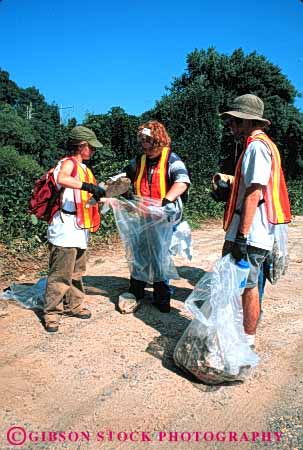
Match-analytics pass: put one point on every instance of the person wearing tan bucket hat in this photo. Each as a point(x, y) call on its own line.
point(249, 107)
point(257, 201)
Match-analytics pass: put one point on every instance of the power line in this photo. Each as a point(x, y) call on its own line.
point(61, 108)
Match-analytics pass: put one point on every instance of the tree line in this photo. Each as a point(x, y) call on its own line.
point(32, 137)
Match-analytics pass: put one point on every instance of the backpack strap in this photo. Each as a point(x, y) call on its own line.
point(73, 174)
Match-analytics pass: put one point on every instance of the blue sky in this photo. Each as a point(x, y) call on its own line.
point(96, 54)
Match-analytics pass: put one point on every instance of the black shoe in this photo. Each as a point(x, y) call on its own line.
point(52, 328)
point(163, 308)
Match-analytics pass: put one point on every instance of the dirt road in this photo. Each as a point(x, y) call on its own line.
point(115, 374)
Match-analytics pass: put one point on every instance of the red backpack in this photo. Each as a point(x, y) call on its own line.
point(45, 200)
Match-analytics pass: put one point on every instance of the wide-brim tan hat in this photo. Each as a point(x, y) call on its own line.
point(249, 107)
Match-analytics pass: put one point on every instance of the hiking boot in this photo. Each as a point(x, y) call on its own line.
point(162, 307)
point(51, 326)
point(83, 314)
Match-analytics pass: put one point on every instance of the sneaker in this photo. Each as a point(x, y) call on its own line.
point(83, 314)
point(162, 307)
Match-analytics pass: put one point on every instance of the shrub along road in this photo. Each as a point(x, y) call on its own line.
point(115, 373)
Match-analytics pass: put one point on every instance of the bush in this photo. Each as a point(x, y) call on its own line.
point(295, 191)
point(18, 173)
point(201, 206)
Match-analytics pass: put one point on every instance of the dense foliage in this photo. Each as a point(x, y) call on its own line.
point(32, 137)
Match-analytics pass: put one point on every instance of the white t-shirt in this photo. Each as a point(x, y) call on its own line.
point(63, 230)
point(256, 168)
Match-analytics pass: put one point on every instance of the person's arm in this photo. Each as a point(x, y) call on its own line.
point(177, 189)
point(67, 181)
point(250, 204)
point(65, 178)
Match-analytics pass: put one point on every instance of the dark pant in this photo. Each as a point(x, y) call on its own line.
point(161, 295)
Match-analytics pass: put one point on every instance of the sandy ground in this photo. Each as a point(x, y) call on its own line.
point(115, 373)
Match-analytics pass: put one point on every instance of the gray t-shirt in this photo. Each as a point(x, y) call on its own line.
point(256, 168)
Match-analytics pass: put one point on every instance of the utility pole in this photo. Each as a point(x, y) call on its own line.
point(61, 108)
point(29, 111)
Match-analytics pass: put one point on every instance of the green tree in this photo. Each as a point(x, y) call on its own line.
point(14, 130)
point(214, 80)
point(18, 173)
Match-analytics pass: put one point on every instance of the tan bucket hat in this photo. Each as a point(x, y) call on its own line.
point(247, 106)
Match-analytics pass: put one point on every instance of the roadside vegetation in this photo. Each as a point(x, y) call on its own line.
point(32, 137)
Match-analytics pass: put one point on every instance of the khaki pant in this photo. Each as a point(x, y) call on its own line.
point(64, 290)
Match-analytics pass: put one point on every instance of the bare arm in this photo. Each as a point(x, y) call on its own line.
point(175, 191)
point(65, 178)
point(251, 200)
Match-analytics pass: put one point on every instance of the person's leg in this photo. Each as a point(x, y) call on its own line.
point(250, 297)
point(75, 295)
point(162, 296)
point(136, 287)
point(61, 267)
point(251, 310)
point(261, 286)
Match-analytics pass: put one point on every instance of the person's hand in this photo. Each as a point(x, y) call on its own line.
point(239, 250)
point(165, 201)
point(97, 191)
point(169, 208)
point(220, 194)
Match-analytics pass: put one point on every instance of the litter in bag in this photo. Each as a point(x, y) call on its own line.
point(276, 263)
point(181, 243)
point(146, 230)
point(214, 347)
point(28, 296)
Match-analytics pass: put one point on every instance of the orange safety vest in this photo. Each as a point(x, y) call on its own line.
point(87, 218)
point(275, 194)
point(158, 187)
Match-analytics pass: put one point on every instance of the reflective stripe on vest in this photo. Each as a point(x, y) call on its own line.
point(275, 194)
point(86, 218)
point(158, 188)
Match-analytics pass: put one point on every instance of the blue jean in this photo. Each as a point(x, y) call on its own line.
point(261, 284)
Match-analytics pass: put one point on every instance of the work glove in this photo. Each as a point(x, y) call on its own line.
point(222, 191)
point(97, 191)
point(165, 201)
point(239, 250)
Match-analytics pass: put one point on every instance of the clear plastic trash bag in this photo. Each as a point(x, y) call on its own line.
point(28, 296)
point(181, 243)
point(213, 347)
point(276, 263)
point(146, 230)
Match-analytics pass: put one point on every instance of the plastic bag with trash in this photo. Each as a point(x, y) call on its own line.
point(29, 296)
point(181, 243)
point(276, 263)
point(146, 230)
point(213, 347)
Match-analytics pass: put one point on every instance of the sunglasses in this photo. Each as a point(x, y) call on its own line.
point(230, 120)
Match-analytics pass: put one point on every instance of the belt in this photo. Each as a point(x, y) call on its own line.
point(71, 213)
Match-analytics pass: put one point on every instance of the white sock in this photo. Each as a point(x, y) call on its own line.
point(250, 338)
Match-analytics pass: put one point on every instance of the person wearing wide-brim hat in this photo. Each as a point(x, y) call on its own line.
point(257, 201)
